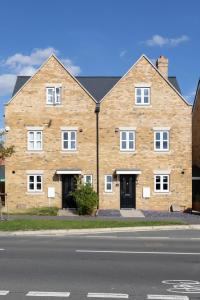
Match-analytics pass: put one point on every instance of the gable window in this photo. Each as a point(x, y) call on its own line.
point(53, 95)
point(35, 183)
point(161, 183)
point(108, 183)
point(88, 179)
point(35, 140)
point(161, 140)
point(127, 140)
point(142, 96)
point(69, 140)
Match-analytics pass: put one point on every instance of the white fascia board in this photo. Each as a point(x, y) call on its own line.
point(34, 172)
point(162, 172)
point(34, 128)
point(68, 128)
point(127, 128)
point(161, 128)
point(68, 172)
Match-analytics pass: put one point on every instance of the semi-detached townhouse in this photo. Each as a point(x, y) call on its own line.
point(130, 137)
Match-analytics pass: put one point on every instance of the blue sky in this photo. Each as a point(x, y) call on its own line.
point(94, 37)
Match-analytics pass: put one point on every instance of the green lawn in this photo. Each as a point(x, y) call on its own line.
point(22, 224)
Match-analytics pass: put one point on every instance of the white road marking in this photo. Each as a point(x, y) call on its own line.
point(137, 252)
point(2, 249)
point(48, 294)
point(167, 297)
point(4, 293)
point(107, 295)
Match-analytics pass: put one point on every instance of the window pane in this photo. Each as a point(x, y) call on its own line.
point(109, 178)
point(165, 179)
point(31, 178)
point(39, 186)
point(165, 186)
point(31, 136)
point(165, 145)
point(146, 100)
point(131, 136)
point(123, 145)
point(65, 145)
point(157, 145)
point(131, 145)
point(65, 135)
point(157, 186)
point(157, 178)
point(31, 186)
point(38, 146)
point(73, 145)
point(139, 99)
point(165, 135)
point(123, 135)
point(138, 91)
point(31, 145)
point(146, 92)
point(39, 179)
point(109, 186)
point(38, 135)
point(73, 135)
point(157, 135)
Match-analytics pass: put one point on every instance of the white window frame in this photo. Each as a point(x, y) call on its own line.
point(35, 132)
point(142, 96)
point(69, 140)
point(55, 95)
point(91, 179)
point(35, 189)
point(127, 140)
point(161, 149)
point(106, 182)
point(162, 183)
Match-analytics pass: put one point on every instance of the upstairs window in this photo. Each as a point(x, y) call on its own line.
point(34, 140)
point(53, 95)
point(142, 96)
point(127, 140)
point(69, 140)
point(161, 140)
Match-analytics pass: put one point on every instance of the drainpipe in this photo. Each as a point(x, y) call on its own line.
point(97, 110)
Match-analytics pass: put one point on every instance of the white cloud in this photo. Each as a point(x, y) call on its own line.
point(123, 53)
point(158, 40)
point(20, 64)
point(75, 70)
point(7, 82)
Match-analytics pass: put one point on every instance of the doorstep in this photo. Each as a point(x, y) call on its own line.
point(132, 213)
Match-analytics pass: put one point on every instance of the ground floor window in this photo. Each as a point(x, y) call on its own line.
point(161, 183)
point(108, 183)
point(35, 183)
point(88, 179)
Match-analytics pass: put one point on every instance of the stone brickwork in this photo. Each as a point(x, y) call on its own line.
point(196, 130)
point(28, 108)
point(167, 109)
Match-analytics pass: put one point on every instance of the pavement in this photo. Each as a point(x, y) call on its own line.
point(123, 265)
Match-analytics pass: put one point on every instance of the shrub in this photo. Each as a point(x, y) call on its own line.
point(43, 211)
point(86, 199)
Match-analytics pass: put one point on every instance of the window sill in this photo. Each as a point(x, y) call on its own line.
point(53, 105)
point(34, 193)
point(128, 151)
point(108, 193)
point(162, 152)
point(35, 151)
point(69, 151)
point(142, 105)
point(161, 193)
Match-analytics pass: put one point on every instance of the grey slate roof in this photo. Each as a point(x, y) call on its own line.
point(97, 86)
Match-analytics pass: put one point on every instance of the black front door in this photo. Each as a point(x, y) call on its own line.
point(127, 191)
point(68, 185)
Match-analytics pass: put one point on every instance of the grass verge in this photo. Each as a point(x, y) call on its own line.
point(22, 224)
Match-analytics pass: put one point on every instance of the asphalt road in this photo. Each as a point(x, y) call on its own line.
point(141, 265)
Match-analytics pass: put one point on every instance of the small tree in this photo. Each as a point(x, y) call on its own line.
point(5, 151)
point(86, 199)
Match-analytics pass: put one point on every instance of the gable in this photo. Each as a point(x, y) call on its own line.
point(22, 81)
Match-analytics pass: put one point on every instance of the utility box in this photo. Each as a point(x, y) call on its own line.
point(51, 192)
point(146, 192)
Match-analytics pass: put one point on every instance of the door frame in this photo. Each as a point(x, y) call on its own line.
point(133, 206)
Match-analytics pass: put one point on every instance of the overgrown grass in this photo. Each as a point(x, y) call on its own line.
point(37, 211)
point(22, 224)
